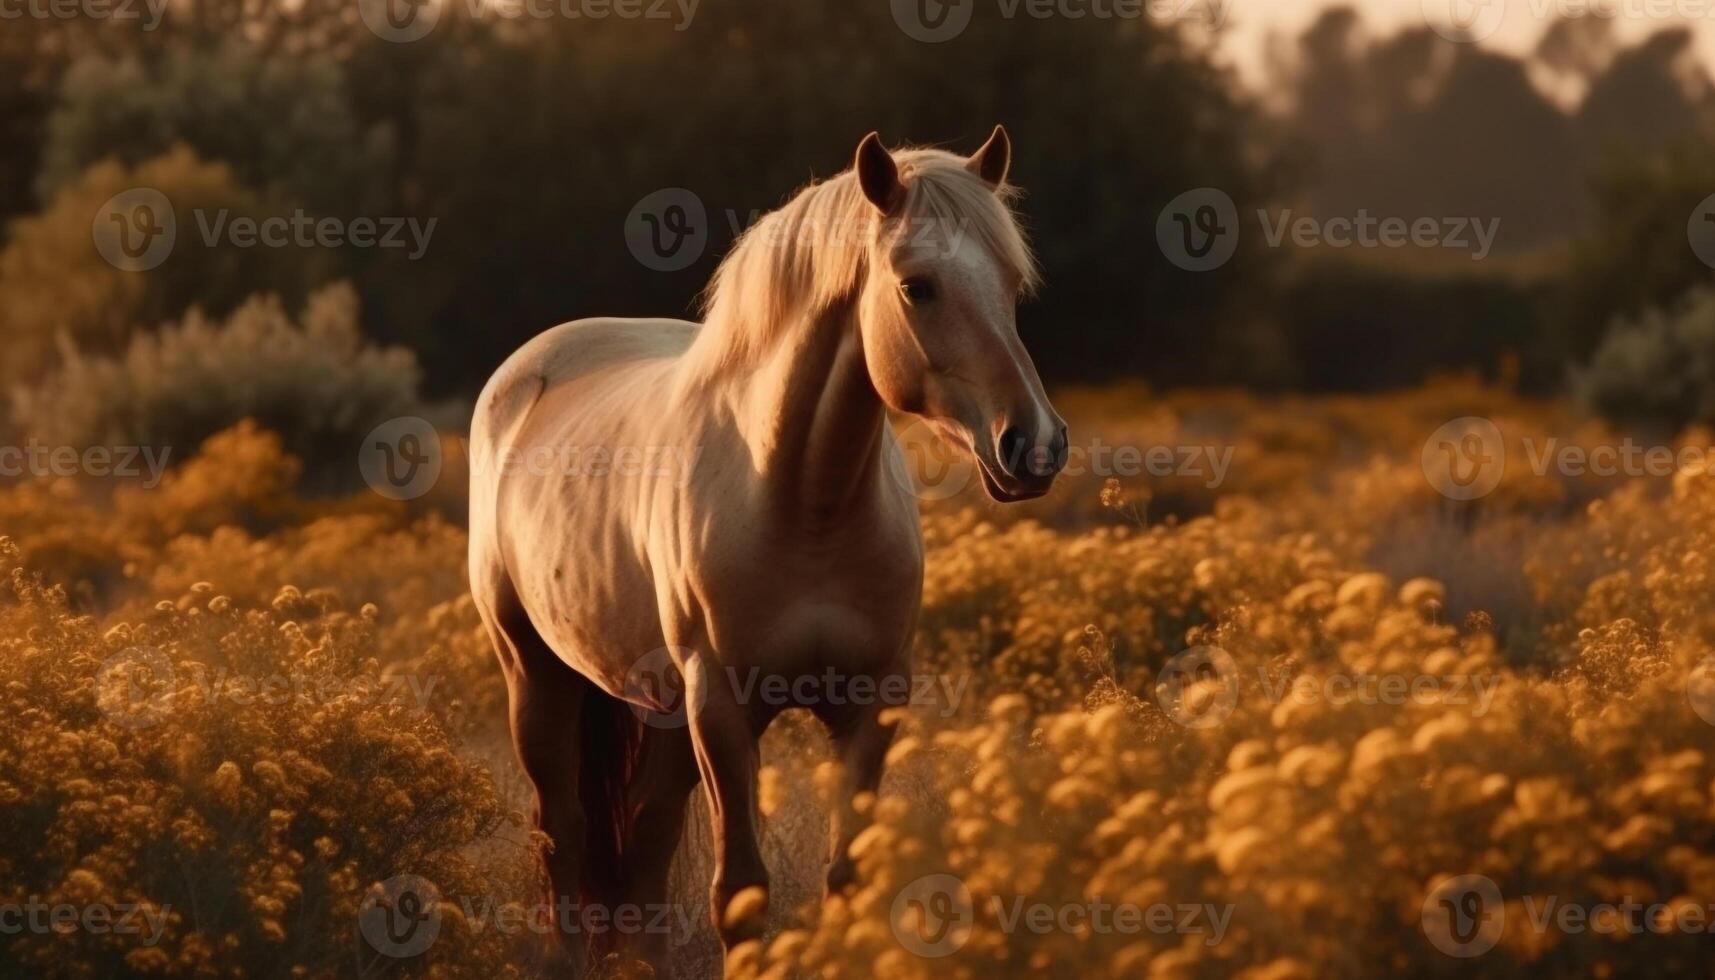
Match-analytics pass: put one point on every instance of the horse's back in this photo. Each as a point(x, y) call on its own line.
point(565, 353)
point(554, 359)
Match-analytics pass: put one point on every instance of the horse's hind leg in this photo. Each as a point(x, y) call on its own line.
point(545, 701)
point(665, 776)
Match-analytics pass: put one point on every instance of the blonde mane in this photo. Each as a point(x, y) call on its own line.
point(813, 253)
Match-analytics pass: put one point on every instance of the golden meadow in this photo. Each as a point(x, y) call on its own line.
point(329, 716)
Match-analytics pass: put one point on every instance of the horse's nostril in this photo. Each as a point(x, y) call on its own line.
point(1046, 461)
point(1013, 446)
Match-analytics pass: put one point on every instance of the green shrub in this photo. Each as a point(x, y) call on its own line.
point(317, 381)
point(281, 120)
point(56, 288)
point(1657, 368)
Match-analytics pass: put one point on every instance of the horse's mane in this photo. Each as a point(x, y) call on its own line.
point(813, 252)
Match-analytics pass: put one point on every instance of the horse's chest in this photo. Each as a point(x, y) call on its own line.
point(818, 608)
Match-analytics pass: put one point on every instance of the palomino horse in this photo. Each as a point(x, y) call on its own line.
point(764, 525)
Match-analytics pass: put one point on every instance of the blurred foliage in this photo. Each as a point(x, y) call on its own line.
point(244, 773)
point(519, 137)
point(282, 122)
point(1344, 322)
point(1657, 368)
point(56, 291)
point(1639, 254)
point(315, 380)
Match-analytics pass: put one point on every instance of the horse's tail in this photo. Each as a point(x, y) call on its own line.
point(610, 736)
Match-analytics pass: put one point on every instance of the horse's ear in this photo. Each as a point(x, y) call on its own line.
point(878, 175)
point(994, 159)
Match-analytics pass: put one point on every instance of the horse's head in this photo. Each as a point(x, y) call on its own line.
point(938, 310)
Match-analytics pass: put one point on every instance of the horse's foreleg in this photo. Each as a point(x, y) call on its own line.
point(861, 739)
point(728, 757)
point(666, 774)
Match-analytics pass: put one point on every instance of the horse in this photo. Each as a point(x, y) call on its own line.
point(764, 524)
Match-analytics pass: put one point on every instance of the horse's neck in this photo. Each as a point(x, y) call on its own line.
point(811, 416)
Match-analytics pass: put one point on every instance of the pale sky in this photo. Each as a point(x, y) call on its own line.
point(1516, 24)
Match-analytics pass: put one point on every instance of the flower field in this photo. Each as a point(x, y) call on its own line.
point(1270, 725)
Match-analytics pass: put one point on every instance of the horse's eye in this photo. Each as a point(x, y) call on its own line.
point(917, 290)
